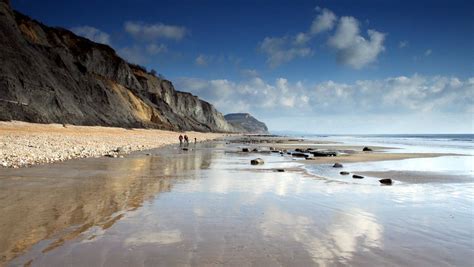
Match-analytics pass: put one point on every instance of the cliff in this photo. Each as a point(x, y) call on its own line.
point(52, 75)
point(244, 122)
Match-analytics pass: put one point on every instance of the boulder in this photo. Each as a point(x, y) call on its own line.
point(185, 149)
point(323, 153)
point(344, 173)
point(257, 161)
point(367, 149)
point(254, 150)
point(245, 149)
point(386, 181)
point(300, 155)
point(280, 170)
point(337, 165)
point(355, 176)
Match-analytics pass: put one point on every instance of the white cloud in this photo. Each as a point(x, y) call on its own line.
point(154, 49)
point(302, 38)
point(92, 34)
point(249, 73)
point(201, 60)
point(144, 31)
point(428, 52)
point(324, 21)
point(403, 44)
point(281, 50)
point(390, 97)
point(353, 49)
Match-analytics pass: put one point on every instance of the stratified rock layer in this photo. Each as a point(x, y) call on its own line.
point(52, 75)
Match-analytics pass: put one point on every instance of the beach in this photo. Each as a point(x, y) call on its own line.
point(25, 144)
point(208, 205)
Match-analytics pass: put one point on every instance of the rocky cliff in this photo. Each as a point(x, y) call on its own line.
point(244, 122)
point(51, 75)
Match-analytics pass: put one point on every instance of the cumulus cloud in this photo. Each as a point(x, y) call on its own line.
point(324, 21)
point(280, 50)
point(155, 31)
point(154, 49)
point(394, 95)
point(92, 34)
point(353, 49)
point(201, 60)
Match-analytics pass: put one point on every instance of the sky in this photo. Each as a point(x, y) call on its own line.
point(323, 67)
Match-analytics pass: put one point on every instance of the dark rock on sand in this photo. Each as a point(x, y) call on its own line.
point(367, 149)
point(185, 149)
point(355, 176)
point(337, 165)
point(344, 173)
point(257, 161)
point(300, 155)
point(386, 181)
point(323, 153)
point(254, 150)
point(280, 170)
point(245, 150)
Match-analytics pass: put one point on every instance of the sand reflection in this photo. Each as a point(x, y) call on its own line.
point(59, 202)
point(346, 233)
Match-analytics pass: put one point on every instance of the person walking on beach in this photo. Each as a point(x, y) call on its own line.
point(195, 140)
point(186, 139)
point(180, 140)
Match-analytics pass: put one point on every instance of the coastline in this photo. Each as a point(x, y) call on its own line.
point(125, 208)
point(25, 144)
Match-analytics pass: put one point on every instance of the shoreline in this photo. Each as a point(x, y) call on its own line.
point(24, 144)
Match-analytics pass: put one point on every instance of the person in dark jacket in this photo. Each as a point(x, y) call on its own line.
point(186, 139)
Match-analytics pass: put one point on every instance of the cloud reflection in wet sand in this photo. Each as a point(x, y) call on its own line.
point(346, 233)
point(60, 202)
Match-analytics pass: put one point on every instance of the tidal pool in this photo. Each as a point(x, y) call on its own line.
point(210, 207)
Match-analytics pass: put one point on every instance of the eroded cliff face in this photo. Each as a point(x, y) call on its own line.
point(51, 75)
point(246, 123)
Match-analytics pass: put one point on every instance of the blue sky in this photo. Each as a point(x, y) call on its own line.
point(313, 66)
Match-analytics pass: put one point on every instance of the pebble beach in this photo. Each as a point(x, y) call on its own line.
point(25, 144)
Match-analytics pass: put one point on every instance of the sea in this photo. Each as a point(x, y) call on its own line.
point(459, 147)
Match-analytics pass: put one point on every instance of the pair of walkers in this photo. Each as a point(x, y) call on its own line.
point(185, 139)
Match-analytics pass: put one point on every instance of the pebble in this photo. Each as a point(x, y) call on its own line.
point(24, 148)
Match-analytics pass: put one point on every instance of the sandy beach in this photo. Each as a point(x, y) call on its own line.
point(209, 206)
point(25, 144)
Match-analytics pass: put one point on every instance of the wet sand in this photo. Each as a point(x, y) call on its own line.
point(209, 207)
point(415, 177)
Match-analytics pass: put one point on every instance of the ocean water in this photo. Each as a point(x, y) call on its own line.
point(459, 146)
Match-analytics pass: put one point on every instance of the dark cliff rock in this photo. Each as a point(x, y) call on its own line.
point(51, 75)
point(244, 122)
